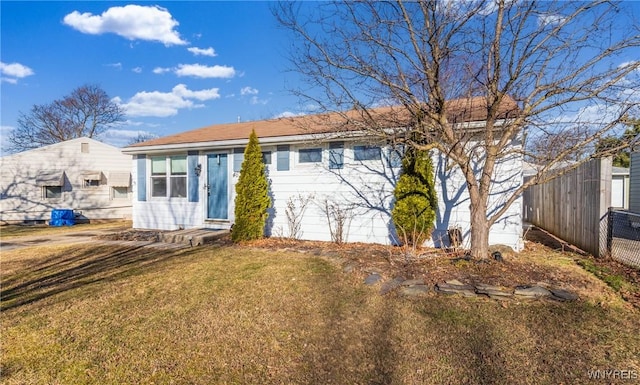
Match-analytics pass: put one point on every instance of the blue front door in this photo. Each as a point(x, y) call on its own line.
point(217, 187)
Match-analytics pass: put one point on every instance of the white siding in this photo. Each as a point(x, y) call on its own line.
point(22, 199)
point(634, 183)
point(363, 190)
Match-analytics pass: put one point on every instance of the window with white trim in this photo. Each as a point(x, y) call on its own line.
point(119, 192)
point(90, 183)
point(91, 179)
point(52, 192)
point(169, 176)
point(310, 155)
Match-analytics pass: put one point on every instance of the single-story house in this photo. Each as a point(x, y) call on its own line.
point(84, 175)
point(319, 175)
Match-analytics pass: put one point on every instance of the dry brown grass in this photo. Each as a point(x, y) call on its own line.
point(246, 315)
point(14, 231)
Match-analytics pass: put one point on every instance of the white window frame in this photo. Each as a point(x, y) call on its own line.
point(169, 177)
point(44, 193)
point(323, 157)
point(113, 192)
point(89, 183)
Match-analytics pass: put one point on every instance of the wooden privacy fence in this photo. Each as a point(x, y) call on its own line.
point(574, 206)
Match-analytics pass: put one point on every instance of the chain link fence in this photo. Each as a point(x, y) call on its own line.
point(623, 237)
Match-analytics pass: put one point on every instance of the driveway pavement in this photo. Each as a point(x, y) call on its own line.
point(77, 237)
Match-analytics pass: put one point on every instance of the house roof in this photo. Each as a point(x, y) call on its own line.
point(67, 143)
point(460, 110)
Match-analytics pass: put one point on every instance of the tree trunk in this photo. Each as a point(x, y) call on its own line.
point(479, 230)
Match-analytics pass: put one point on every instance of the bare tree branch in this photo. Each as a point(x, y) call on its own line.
point(87, 111)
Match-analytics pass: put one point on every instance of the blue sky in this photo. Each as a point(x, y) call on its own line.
point(175, 66)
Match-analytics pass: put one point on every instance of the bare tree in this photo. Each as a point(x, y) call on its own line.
point(142, 137)
point(87, 111)
point(535, 70)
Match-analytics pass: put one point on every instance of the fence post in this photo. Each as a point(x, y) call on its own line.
point(609, 231)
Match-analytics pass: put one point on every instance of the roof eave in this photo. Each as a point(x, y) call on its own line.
point(475, 126)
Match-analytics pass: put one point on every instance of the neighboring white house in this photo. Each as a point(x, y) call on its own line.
point(620, 187)
point(187, 181)
point(87, 176)
point(634, 182)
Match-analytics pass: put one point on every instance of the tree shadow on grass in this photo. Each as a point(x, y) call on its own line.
point(74, 268)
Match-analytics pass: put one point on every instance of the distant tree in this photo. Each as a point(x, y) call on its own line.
point(416, 201)
point(87, 111)
point(142, 137)
point(252, 195)
point(618, 147)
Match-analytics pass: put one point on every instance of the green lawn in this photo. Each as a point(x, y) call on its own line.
point(234, 315)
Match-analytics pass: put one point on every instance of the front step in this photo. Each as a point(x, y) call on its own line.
point(193, 237)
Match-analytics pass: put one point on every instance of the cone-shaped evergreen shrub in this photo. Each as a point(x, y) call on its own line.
point(414, 212)
point(252, 195)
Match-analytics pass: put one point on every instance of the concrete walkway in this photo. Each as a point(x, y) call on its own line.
point(167, 240)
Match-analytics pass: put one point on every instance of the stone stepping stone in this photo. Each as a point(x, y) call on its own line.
point(372, 279)
point(413, 282)
point(563, 295)
point(531, 292)
point(495, 292)
point(414, 290)
point(455, 287)
point(391, 285)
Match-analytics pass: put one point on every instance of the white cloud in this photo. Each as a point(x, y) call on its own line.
point(117, 66)
point(5, 131)
point(161, 70)
point(203, 71)
point(137, 70)
point(256, 100)
point(14, 70)
point(202, 51)
point(288, 114)
point(9, 80)
point(163, 104)
point(133, 22)
point(549, 19)
point(248, 91)
point(634, 63)
point(198, 71)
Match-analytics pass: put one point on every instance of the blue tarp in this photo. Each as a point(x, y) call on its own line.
point(62, 217)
